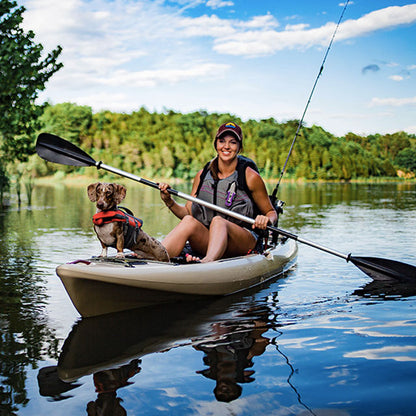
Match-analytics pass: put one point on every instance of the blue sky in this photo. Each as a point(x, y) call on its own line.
point(253, 59)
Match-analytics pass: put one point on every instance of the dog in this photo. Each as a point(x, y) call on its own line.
point(111, 224)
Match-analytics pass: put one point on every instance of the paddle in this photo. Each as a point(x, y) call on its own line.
point(55, 149)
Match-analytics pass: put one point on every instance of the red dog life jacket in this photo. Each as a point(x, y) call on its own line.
point(131, 224)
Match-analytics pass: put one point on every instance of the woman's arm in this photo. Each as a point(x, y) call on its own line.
point(179, 210)
point(260, 196)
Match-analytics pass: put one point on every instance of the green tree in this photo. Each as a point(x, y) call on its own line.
point(68, 120)
point(406, 158)
point(22, 75)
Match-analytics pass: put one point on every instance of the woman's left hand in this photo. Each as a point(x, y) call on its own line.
point(261, 222)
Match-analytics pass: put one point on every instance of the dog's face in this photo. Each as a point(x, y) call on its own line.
point(106, 195)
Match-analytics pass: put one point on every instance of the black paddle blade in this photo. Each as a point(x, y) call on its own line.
point(54, 149)
point(384, 269)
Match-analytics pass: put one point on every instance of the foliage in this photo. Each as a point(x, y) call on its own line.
point(406, 158)
point(4, 184)
point(69, 120)
point(177, 145)
point(23, 73)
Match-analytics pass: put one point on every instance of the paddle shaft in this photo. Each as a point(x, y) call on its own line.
point(217, 208)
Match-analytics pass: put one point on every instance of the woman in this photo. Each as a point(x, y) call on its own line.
point(210, 233)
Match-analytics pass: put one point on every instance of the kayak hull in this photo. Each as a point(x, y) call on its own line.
point(96, 286)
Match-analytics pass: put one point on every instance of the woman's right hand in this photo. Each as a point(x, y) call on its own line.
point(164, 194)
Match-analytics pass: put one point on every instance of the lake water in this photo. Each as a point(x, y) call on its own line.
point(322, 340)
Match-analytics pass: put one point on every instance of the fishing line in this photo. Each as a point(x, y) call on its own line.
point(273, 196)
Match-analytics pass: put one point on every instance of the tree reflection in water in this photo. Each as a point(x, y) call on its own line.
point(25, 336)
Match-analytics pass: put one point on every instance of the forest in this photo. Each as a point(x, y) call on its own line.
point(175, 145)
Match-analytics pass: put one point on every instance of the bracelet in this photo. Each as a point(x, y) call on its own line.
point(171, 205)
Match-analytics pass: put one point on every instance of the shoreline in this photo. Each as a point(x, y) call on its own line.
point(82, 180)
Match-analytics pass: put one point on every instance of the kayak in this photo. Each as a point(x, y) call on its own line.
point(109, 284)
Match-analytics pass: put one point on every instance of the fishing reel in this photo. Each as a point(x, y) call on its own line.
point(278, 206)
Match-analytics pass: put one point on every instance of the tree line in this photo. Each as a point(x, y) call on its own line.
point(172, 144)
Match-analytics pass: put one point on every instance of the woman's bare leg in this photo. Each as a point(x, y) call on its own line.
point(188, 229)
point(227, 238)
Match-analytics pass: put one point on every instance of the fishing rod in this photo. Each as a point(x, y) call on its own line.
point(55, 149)
point(273, 197)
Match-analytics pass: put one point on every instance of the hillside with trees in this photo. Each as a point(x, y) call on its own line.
point(171, 144)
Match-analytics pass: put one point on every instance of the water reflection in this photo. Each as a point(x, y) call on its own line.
point(229, 353)
point(51, 386)
point(334, 349)
point(311, 204)
point(106, 383)
point(387, 289)
point(230, 333)
point(24, 333)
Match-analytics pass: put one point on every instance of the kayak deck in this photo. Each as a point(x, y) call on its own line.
point(103, 285)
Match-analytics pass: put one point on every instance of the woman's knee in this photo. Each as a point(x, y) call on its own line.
point(191, 224)
point(218, 221)
point(189, 220)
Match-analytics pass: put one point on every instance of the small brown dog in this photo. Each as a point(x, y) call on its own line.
point(116, 228)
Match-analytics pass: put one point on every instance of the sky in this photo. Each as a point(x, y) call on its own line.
point(253, 59)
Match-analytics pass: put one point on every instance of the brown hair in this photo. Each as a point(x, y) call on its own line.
point(214, 169)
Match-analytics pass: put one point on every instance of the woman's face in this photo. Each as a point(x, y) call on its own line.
point(227, 147)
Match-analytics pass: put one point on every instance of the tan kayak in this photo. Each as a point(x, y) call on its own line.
point(98, 286)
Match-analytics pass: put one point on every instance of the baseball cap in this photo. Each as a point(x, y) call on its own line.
point(230, 128)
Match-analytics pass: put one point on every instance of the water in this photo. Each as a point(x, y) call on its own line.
point(323, 340)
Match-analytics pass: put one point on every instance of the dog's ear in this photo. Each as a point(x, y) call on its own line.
point(120, 193)
point(92, 191)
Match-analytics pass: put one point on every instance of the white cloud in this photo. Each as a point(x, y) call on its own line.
point(262, 42)
point(150, 78)
point(393, 102)
point(380, 19)
point(100, 27)
point(301, 26)
point(397, 78)
point(216, 4)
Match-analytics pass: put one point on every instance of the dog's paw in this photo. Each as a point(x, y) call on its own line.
point(120, 255)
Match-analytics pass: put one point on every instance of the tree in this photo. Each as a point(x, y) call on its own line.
point(406, 158)
point(68, 120)
point(23, 73)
